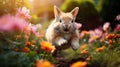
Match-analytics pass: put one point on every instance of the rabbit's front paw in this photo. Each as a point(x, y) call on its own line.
point(75, 45)
point(62, 41)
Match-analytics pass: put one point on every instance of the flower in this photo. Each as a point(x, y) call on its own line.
point(78, 25)
point(88, 58)
point(33, 41)
point(44, 64)
point(79, 64)
point(118, 18)
point(100, 49)
point(91, 39)
point(84, 52)
point(32, 29)
point(26, 37)
point(48, 47)
point(117, 28)
point(23, 13)
point(82, 47)
point(110, 41)
point(26, 49)
point(83, 33)
point(10, 23)
point(110, 36)
point(28, 43)
point(117, 36)
point(41, 34)
point(18, 36)
point(98, 33)
point(106, 26)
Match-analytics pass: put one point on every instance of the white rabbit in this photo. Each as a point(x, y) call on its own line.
point(63, 32)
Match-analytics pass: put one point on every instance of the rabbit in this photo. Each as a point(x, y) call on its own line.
point(63, 32)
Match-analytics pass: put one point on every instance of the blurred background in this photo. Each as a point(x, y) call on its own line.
point(92, 13)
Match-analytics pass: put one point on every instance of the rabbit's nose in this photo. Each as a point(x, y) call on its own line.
point(65, 26)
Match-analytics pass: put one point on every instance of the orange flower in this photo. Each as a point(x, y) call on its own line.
point(85, 32)
point(29, 44)
point(26, 49)
point(79, 64)
point(33, 41)
point(44, 64)
point(110, 36)
point(88, 58)
point(18, 36)
point(27, 30)
point(110, 41)
point(82, 47)
point(48, 47)
point(100, 49)
point(84, 52)
point(26, 37)
point(40, 36)
point(42, 33)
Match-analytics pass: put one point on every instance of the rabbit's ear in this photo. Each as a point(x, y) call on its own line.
point(57, 12)
point(74, 12)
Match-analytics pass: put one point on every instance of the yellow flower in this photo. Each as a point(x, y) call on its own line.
point(79, 64)
point(94, 37)
point(100, 49)
point(82, 47)
point(44, 64)
point(34, 16)
point(48, 47)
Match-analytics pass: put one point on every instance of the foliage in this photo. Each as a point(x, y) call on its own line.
point(108, 10)
point(9, 6)
point(22, 44)
point(88, 14)
point(98, 50)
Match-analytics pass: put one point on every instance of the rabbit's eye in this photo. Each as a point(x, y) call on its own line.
point(60, 20)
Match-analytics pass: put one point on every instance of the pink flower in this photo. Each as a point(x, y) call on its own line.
point(78, 25)
point(10, 23)
point(33, 29)
point(23, 13)
point(95, 34)
point(106, 26)
point(98, 33)
point(117, 27)
point(118, 17)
